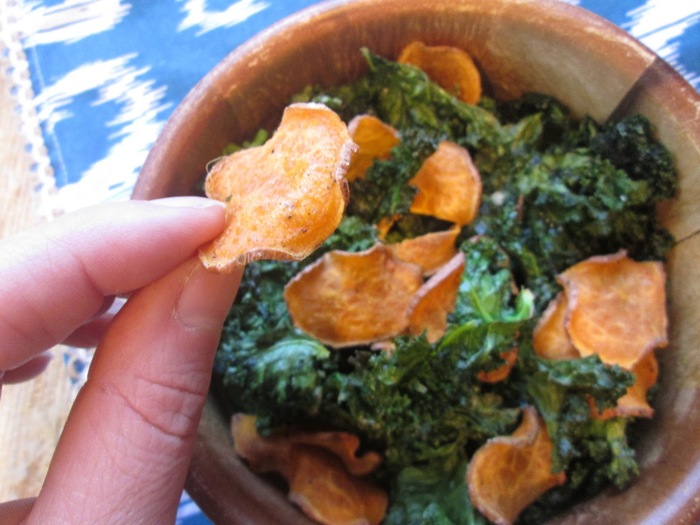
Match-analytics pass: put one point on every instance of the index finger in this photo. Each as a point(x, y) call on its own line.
point(56, 277)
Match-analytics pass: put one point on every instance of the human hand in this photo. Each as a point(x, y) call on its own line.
point(125, 449)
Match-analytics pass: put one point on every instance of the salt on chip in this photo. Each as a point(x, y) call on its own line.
point(449, 185)
point(507, 473)
point(285, 197)
point(347, 299)
point(634, 402)
point(429, 251)
point(315, 467)
point(450, 67)
point(550, 339)
point(374, 140)
point(432, 303)
point(617, 307)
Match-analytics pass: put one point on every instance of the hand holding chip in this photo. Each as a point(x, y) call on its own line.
point(125, 449)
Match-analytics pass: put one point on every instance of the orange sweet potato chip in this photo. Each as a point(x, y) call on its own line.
point(284, 198)
point(449, 67)
point(449, 185)
point(315, 467)
point(263, 454)
point(324, 490)
point(374, 139)
point(634, 403)
point(550, 339)
point(617, 308)
point(429, 308)
point(344, 446)
point(503, 371)
point(508, 473)
point(346, 299)
point(429, 251)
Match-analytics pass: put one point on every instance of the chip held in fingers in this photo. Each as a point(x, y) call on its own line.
point(285, 197)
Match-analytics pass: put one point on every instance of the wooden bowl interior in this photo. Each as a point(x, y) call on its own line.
point(546, 46)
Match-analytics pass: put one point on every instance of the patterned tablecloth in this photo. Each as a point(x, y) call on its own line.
point(97, 79)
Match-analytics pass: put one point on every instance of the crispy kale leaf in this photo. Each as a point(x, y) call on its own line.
point(433, 495)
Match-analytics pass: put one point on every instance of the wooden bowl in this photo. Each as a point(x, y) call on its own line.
point(520, 45)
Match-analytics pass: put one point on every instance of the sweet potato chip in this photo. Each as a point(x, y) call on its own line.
point(322, 488)
point(315, 467)
point(508, 473)
point(634, 403)
point(617, 307)
point(550, 339)
point(347, 299)
point(503, 371)
point(449, 185)
point(430, 251)
point(263, 454)
point(449, 67)
point(344, 446)
point(429, 308)
point(284, 198)
point(374, 139)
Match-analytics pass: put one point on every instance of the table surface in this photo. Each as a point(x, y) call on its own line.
point(32, 414)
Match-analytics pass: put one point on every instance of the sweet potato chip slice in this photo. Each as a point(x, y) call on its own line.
point(374, 139)
point(324, 490)
point(503, 371)
point(284, 198)
point(449, 185)
point(429, 308)
point(263, 454)
point(550, 338)
point(508, 473)
point(634, 403)
point(344, 446)
point(449, 67)
point(617, 307)
point(319, 482)
point(346, 299)
point(430, 251)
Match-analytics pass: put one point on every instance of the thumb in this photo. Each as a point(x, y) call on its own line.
point(125, 450)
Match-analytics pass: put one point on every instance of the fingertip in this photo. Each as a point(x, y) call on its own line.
point(206, 297)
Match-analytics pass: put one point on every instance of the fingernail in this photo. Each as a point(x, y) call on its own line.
point(206, 297)
point(188, 202)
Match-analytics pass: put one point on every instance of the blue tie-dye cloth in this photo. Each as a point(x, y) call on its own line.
point(106, 74)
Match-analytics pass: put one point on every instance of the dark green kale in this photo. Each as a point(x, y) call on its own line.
point(487, 291)
point(594, 453)
point(433, 495)
point(551, 203)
